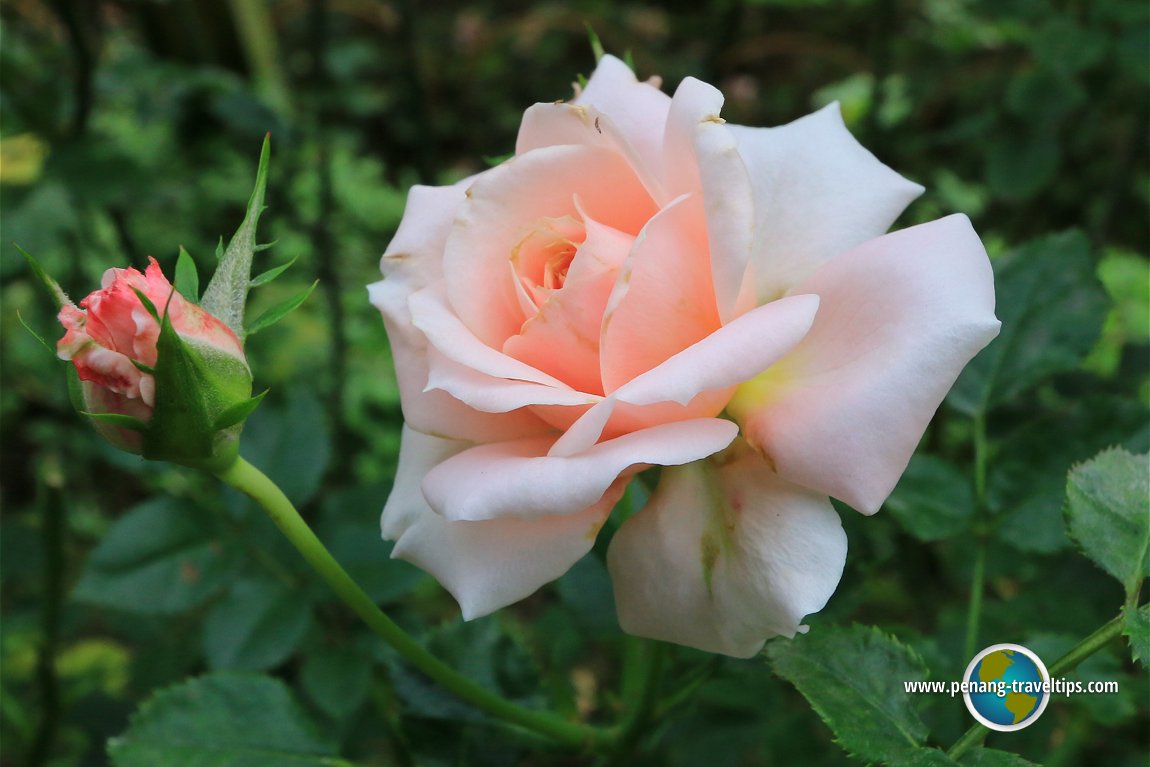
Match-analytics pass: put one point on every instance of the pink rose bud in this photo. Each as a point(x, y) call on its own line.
point(126, 382)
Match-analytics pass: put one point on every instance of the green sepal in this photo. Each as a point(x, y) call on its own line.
point(280, 310)
point(148, 305)
point(117, 419)
point(494, 160)
point(239, 411)
point(144, 368)
point(33, 333)
point(596, 43)
point(227, 292)
point(195, 385)
point(187, 278)
point(271, 274)
point(265, 246)
point(55, 292)
point(76, 390)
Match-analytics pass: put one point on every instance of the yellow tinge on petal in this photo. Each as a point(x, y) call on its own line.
point(750, 396)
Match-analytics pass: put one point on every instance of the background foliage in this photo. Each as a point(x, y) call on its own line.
point(131, 128)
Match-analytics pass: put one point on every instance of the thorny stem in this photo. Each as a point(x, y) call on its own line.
point(1068, 662)
point(974, 611)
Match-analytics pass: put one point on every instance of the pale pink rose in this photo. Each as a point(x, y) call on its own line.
point(112, 331)
point(643, 284)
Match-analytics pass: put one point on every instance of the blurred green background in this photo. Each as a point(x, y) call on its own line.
point(131, 128)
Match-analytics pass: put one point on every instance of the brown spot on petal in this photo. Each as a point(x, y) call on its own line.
point(714, 119)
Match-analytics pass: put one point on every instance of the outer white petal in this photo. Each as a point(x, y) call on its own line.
point(702, 154)
point(435, 412)
point(899, 318)
point(412, 262)
point(418, 454)
point(639, 110)
point(817, 192)
point(415, 254)
point(518, 478)
point(722, 558)
point(490, 564)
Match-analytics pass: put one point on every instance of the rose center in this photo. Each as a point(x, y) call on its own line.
point(542, 258)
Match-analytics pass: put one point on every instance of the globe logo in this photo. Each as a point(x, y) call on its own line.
point(1006, 687)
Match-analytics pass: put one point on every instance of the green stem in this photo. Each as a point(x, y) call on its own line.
point(1068, 662)
point(251, 481)
point(974, 610)
point(1087, 647)
point(978, 579)
point(643, 668)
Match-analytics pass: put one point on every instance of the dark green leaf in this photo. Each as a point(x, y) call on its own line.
point(924, 757)
point(223, 720)
point(1108, 514)
point(1019, 164)
point(271, 274)
point(187, 278)
point(1026, 483)
point(163, 556)
point(257, 625)
point(337, 680)
point(290, 443)
point(368, 560)
point(1052, 308)
point(933, 500)
point(586, 590)
point(853, 678)
point(227, 292)
point(1136, 628)
point(280, 310)
point(992, 757)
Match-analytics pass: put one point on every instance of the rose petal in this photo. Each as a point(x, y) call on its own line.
point(489, 564)
point(731, 355)
point(415, 253)
point(701, 154)
point(900, 317)
point(722, 558)
point(518, 478)
point(419, 453)
point(817, 192)
point(504, 204)
point(563, 338)
point(545, 125)
point(446, 332)
point(497, 395)
point(638, 109)
point(411, 263)
point(435, 412)
point(663, 301)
